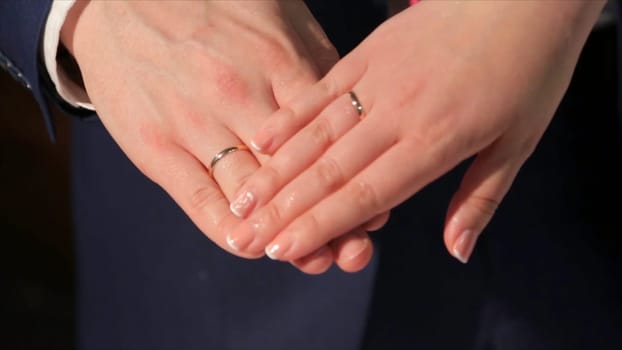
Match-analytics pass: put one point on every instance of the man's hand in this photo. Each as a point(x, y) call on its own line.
point(176, 82)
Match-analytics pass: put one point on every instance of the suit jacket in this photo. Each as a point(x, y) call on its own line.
point(543, 276)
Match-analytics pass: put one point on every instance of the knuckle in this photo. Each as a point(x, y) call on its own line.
point(321, 133)
point(308, 230)
point(271, 216)
point(329, 87)
point(329, 174)
point(417, 139)
point(201, 197)
point(286, 115)
point(240, 181)
point(225, 79)
point(365, 197)
point(289, 122)
point(229, 83)
point(221, 226)
point(152, 141)
point(150, 135)
point(486, 205)
point(275, 52)
point(263, 183)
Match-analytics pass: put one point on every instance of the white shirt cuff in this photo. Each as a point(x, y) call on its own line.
point(66, 88)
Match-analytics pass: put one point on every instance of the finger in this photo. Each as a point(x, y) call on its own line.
point(228, 161)
point(296, 155)
point(364, 196)
point(318, 45)
point(230, 166)
point(377, 222)
point(318, 181)
point(225, 156)
point(353, 252)
point(294, 78)
point(472, 207)
point(316, 55)
point(315, 263)
point(308, 104)
point(187, 181)
point(211, 142)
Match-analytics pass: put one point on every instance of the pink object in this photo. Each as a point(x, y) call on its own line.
point(412, 2)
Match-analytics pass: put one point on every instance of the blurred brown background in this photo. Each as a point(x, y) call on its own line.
point(36, 254)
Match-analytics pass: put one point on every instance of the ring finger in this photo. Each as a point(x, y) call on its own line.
point(297, 154)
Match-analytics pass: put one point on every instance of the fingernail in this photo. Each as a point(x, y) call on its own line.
point(354, 250)
point(276, 251)
point(255, 146)
point(262, 140)
point(242, 236)
point(243, 204)
point(271, 251)
point(464, 245)
point(232, 243)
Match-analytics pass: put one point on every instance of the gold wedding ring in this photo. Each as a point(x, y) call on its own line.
point(220, 155)
point(356, 103)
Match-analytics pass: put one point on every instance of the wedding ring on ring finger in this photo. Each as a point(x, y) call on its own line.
point(225, 152)
point(356, 103)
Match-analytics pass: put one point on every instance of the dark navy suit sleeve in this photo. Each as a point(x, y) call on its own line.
point(21, 33)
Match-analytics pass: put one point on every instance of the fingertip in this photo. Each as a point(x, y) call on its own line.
point(255, 146)
point(354, 252)
point(450, 231)
point(377, 222)
point(243, 204)
point(316, 263)
point(463, 247)
point(275, 127)
point(461, 234)
point(262, 142)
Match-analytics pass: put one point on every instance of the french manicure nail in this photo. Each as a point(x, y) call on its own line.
point(352, 251)
point(232, 243)
point(241, 237)
point(243, 204)
point(262, 140)
point(272, 250)
point(278, 251)
point(255, 146)
point(464, 245)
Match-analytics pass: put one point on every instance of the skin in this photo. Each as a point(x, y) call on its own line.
point(440, 83)
point(175, 82)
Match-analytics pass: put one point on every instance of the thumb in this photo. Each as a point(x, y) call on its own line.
point(483, 187)
point(317, 55)
point(319, 47)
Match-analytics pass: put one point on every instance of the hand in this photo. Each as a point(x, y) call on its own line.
point(175, 82)
point(439, 83)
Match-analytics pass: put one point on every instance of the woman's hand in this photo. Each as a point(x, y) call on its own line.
point(176, 82)
point(439, 83)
